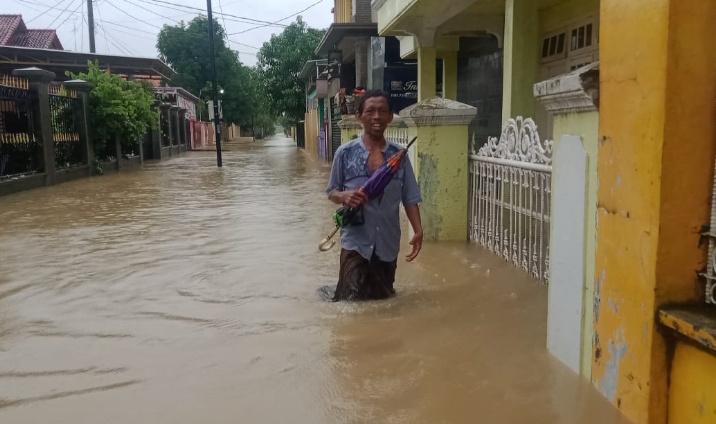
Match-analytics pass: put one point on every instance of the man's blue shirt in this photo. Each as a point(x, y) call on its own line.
point(380, 232)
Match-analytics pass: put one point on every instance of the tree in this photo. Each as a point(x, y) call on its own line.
point(117, 107)
point(280, 61)
point(185, 47)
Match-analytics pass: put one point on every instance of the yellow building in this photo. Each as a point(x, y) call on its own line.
point(627, 91)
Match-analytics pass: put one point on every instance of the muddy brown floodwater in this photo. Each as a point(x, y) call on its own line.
point(187, 294)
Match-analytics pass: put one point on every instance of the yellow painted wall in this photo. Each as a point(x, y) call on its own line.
point(449, 74)
point(391, 11)
point(343, 11)
point(442, 174)
point(556, 17)
point(348, 134)
point(657, 129)
point(351, 128)
point(311, 132)
point(692, 394)
point(427, 74)
point(586, 125)
point(521, 62)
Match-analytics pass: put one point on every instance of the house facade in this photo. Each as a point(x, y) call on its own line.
point(599, 178)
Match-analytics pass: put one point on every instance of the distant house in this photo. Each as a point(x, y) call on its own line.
point(13, 32)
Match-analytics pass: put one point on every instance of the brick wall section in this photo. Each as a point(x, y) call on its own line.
point(362, 11)
point(361, 63)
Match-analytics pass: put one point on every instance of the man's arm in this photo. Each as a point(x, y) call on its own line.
point(352, 198)
point(413, 212)
point(411, 201)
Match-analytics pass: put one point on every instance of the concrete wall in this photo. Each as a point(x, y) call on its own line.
point(692, 394)
point(522, 47)
point(657, 146)
point(585, 125)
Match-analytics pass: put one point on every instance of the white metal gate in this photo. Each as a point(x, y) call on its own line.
point(510, 194)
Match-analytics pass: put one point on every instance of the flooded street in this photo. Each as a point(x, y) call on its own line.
point(184, 293)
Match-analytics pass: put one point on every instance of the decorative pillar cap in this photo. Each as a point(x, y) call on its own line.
point(79, 85)
point(439, 111)
point(34, 74)
point(164, 105)
point(349, 122)
point(577, 91)
point(398, 121)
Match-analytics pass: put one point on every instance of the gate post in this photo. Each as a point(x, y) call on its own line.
point(350, 128)
point(441, 150)
point(41, 115)
point(83, 89)
point(181, 125)
point(174, 124)
point(158, 136)
point(573, 99)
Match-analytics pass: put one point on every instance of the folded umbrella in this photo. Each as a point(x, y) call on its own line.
point(373, 188)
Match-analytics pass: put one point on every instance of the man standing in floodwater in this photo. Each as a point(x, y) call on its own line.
point(370, 248)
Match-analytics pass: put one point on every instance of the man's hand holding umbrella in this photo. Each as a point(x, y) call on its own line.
point(354, 198)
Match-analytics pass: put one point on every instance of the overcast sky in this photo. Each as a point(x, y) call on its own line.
point(130, 27)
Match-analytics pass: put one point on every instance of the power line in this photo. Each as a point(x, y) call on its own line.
point(282, 19)
point(106, 39)
point(26, 2)
point(243, 18)
point(61, 13)
point(70, 15)
point(140, 20)
point(130, 51)
point(128, 27)
point(82, 32)
point(134, 34)
point(245, 45)
point(221, 8)
point(149, 10)
point(42, 14)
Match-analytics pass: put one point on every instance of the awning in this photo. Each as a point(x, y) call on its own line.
point(312, 95)
point(338, 32)
point(59, 61)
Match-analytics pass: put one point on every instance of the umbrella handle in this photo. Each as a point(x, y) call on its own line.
point(327, 243)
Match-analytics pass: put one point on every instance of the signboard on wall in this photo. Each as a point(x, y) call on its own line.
point(401, 83)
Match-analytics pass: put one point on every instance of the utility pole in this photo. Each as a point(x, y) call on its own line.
point(90, 21)
point(217, 124)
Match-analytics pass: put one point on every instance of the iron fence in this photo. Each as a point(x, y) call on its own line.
point(164, 128)
point(20, 152)
point(510, 195)
point(130, 149)
point(64, 105)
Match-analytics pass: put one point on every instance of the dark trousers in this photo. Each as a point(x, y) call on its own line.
point(360, 279)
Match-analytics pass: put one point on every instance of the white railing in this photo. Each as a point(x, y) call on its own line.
point(398, 134)
point(510, 195)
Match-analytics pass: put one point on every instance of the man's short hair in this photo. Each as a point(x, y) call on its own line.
point(372, 94)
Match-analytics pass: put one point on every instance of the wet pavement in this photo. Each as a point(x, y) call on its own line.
point(184, 293)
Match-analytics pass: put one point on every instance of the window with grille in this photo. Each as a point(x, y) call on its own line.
point(553, 47)
point(577, 42)
point(582, 37)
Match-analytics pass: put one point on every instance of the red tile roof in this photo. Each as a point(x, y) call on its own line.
point(8, 25)
point(36, 38)
point(13, 32)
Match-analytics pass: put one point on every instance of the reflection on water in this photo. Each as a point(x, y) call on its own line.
point(185, 293)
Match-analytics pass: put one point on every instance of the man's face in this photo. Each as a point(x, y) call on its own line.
point(376, 116)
